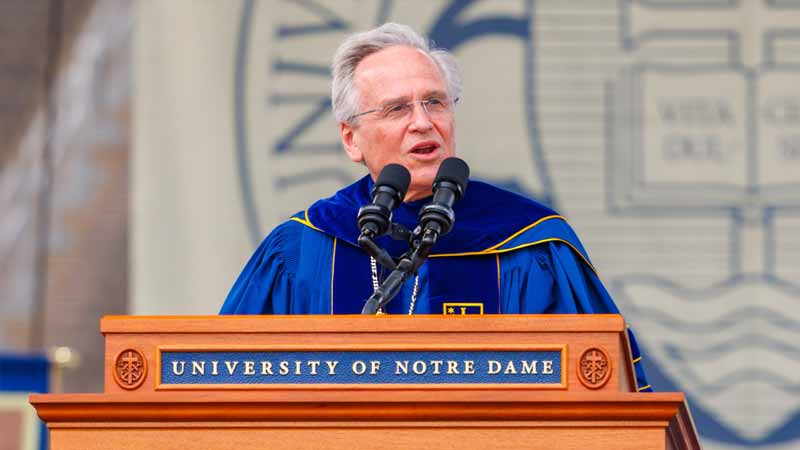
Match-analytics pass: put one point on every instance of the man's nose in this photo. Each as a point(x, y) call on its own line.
point(420, 118)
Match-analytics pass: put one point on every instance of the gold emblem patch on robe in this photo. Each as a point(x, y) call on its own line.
point(462, 309)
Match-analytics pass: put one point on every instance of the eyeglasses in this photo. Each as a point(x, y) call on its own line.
point(396, 111)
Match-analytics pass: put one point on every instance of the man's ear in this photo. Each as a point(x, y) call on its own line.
point(349, 141)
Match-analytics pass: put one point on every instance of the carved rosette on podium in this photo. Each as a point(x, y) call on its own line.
point(130, 368)
point(555, 381)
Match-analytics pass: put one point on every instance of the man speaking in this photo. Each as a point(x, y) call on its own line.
point(492, 251)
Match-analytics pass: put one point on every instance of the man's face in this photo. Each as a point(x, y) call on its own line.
point(420, 141)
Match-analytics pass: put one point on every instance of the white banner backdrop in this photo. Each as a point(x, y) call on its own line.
point(189, 237)
point(668, 132)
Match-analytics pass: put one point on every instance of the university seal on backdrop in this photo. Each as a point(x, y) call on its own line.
point(287, 144)
point(712, 144)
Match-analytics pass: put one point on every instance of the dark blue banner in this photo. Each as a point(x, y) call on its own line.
point(540, 367)
point(21, 374)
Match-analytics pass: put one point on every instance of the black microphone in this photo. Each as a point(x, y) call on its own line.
point(448, 187)
point(374, 219)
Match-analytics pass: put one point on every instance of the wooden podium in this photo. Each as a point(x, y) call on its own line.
point(356, 382)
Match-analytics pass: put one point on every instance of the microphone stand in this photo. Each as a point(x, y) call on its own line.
point(435, 219)
point(367, 243)
point(366, 240)
point(409, 264)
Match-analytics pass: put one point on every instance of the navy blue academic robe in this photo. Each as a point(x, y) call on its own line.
point(506, 254)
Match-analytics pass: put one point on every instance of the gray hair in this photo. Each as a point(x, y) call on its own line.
point(344, 95)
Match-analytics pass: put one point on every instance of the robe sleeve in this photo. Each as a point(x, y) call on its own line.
point(552, 279)
point(265, 285)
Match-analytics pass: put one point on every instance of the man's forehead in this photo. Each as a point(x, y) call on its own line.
point(391, 72)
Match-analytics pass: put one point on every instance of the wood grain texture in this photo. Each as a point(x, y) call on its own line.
point(365, 438)
point(506, 323)
point(356, 405)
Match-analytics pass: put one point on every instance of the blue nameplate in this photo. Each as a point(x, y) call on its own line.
point(254, 368)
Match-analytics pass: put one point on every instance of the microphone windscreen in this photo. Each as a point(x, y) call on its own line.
point(454, 170)
point(395, 176)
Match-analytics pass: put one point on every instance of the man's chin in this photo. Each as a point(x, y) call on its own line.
point(421, 185)
point(414, 194)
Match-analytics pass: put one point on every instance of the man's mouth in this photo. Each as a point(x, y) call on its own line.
point(425, 148)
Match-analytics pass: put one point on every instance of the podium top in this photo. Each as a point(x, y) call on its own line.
point(506, 323)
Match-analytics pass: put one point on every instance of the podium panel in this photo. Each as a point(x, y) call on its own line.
point(442, 436)
point(490, 382)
